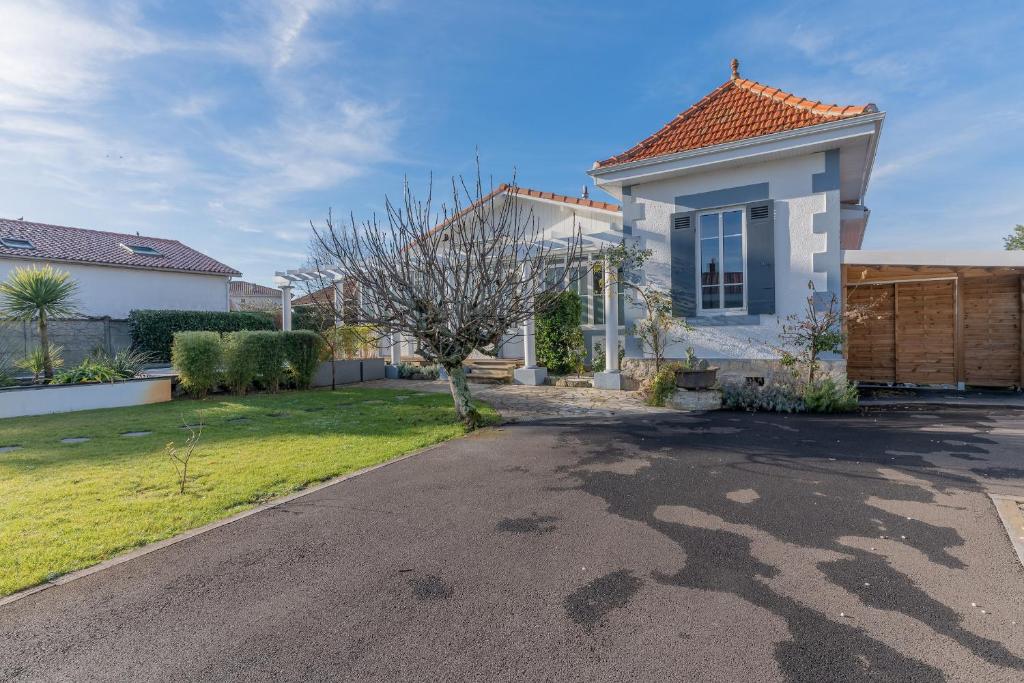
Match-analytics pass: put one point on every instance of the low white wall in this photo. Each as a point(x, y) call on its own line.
point(67, 398)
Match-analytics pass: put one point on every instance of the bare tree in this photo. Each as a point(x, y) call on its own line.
point(453, 280)
point(181, 457)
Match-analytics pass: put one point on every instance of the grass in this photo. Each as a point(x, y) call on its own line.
point(66, 506)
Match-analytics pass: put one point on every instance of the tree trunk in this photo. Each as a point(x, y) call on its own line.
point(461, 396)
point(44, 344)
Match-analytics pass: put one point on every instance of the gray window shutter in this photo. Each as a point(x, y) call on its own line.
point(683, 239)
point(761, 257)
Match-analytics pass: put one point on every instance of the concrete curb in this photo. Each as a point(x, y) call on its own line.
point(184, 536)
point(1010, 513)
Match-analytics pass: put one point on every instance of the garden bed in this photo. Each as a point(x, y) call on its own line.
point(44, 399)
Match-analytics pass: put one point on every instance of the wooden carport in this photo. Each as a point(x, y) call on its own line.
point(935, 318)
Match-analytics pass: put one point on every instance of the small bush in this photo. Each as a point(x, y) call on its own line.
point(778, 397)
point(410, 371)
point(239, 361)
point(101, 367)
point(196, 357)
point(302, 353)
point(33, 362)
point(830, 396)
point(663, 385)
point(153, 330)
point(268, 355)
point(560, 345)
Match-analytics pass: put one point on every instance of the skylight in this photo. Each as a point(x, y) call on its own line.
point(16, 243)
point(141, 250)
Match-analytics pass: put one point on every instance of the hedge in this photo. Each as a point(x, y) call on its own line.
point(560, 345)
point(197, 358)
point(153, 330)
point(267, 352)
point(302, 352)
point(239, 363)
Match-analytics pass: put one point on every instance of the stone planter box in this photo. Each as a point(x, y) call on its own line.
point(66, 398)
point(706, 399)
point(696, 379)
point(349, 371)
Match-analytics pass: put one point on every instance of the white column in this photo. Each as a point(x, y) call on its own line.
point(286, 307)
point(396, 348)
point(611, 319)
point(339, 304)
point(529, 345)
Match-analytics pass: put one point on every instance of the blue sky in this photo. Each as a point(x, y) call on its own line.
point(230, 125)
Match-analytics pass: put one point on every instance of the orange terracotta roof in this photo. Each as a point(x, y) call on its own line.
point(737, 110)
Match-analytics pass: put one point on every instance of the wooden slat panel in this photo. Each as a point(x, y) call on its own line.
point(871, 347)
point(992, 330)
point(925, 330)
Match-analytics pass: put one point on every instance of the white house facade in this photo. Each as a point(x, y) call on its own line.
point(116, 272)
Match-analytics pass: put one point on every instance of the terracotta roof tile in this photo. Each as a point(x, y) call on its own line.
point(736, 110)
point(77, 245)
point(243, 288)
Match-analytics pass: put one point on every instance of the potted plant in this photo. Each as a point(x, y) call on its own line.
point(695, 373)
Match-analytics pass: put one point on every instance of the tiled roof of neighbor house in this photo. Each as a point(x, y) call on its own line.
point(243, 288)
point(313, 297)
point(736, 110)
point(77, 245)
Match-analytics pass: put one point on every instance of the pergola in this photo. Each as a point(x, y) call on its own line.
point(530, 373)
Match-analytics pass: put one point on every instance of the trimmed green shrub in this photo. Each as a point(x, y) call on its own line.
point(153, 331)
point(830, 396)
point(302, 353)
point(311, 318)
point(560, 345)
point(410, 371)
point(239, 362)
point(196, 357)
point(267, 352)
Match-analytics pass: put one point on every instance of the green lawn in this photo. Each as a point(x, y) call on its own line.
point(65, 506)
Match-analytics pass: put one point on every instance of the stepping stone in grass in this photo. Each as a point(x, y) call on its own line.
point(278, 414)
point(312, 410)
point(240, 420)
point(134, 434)
point(75, 439)
point(8, 449)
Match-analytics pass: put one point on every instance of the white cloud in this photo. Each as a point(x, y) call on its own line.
point(53, 54)
point(195, 105)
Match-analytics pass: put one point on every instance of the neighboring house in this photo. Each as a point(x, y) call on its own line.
point(118, 272)
point(249, 296)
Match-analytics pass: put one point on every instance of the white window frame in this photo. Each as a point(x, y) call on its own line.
point(721, 259)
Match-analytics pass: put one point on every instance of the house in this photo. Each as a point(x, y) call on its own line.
point(249, 296)
point(118, 272)
point(743, 199)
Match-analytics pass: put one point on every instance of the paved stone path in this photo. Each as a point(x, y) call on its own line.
point(519, 402)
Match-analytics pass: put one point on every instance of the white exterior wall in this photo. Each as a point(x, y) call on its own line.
point(806, 245)
point(110, 291)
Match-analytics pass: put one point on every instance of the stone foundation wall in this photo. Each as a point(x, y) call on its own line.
point(79, 337)
point(636, 370)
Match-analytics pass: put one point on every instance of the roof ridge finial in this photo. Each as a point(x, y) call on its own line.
point(735, 68)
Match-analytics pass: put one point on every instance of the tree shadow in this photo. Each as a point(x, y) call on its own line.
point(815, 479)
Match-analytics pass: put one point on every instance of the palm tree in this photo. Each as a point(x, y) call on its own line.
point(42, 293)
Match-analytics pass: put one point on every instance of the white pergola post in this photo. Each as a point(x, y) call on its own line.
point(339, 303)
point(529, 374)
point(610, 378)
point(286, 307)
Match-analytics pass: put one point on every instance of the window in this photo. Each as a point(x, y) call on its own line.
point(721, 250)
point(588, 287)
point(16, 243)
point(141, 250)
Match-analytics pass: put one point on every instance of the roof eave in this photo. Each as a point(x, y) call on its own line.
point(101, 264)
point(667, 164)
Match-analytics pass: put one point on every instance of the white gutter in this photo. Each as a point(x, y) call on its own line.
point(991, 258)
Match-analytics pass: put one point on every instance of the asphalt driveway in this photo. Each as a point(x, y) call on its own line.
point(647, 547)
